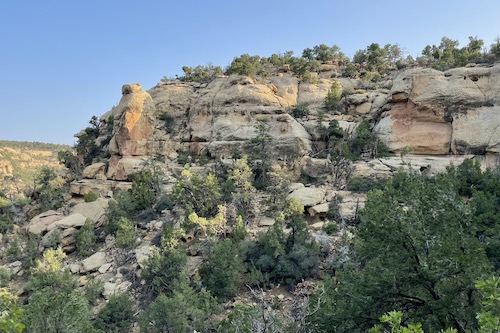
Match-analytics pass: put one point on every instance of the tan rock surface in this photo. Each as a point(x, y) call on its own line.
point(440, 112)
point(134, 120)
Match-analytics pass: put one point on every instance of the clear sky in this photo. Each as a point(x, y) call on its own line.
point(63, 61)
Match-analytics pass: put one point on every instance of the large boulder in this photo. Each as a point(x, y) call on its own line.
point(134, 122)
point(93, 262)
point(308, 196)
point(124, 168)
point(40, 223)
point(95, 210)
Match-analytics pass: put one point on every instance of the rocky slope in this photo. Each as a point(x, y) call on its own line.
point(438, 117)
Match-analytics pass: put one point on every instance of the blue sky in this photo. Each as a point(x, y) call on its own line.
point(61, 62)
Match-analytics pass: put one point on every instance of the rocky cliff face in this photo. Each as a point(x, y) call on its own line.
point(439, 113)
point(431, 112)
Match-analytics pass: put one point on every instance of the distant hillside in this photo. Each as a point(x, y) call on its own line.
point(20, 161)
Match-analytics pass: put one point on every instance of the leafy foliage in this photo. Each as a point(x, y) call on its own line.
point(116, 316)
point(164, 269)
point(427, 266)
point(49, 189)
point(281, 258)
point(489, 317)
point(85, 239)
point(202, 74)
point(247, 65)
point(332, 99)
point(300, 111)
point(10, 313)
point(91, 196)
point(88, 148)
point(184, 310)
point(52, 310)
point(125, 233)
point(222, 273)
point(196, 193)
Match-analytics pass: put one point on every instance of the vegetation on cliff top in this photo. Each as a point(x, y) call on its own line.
point(369, 64)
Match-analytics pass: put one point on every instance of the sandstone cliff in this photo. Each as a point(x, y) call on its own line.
point(431, 112)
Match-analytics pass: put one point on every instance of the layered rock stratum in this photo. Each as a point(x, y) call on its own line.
point(424, 111)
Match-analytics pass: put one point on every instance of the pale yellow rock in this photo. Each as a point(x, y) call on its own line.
point(93, 171)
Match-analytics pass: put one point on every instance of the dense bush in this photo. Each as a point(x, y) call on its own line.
point(117, 315)
point(366, 143)
point(91, 196)
point(364, 184)
point(133, 203)
point(88, 148)
point(247, 65)
point(55, 305)
point(51, 310)
point(11, 318)
point(202, 74)
point(125, 233)
point(163, 270)
point(280, 258)
point(183, 310)
point(197, 193)
point(300, 111)
point(85, 239)
point(333, 97)
point(222, 273)
point(431, 248)
point(6, 215)
point(49, 187)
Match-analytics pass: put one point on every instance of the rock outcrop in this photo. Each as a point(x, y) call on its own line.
point(439, 113)
point(431, 112)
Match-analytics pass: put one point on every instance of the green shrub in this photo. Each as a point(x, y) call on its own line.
point(116, 316)
point(6, 216)
point(50, 189)
point(299, 111)
point(334, 209)
point(143, 190)
point(125, 234)
point(13, 252)
point(330, 228)
point(5, 277)
point(184, 310)
point(196, 193)
point(122, 206)
point(163, 269)
point(285, 258)
point(91, 196)
point(365, 143)
point(350, 71)
point(169, 121)
point(238, 232)
point(11, 319)
point(52, 310)
point(332, 99)
point(222, 273)
point(85, 239)
point(93, 290)
point(70, 161)
point(201, 74)
point(247, 65)
point(364, 184)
